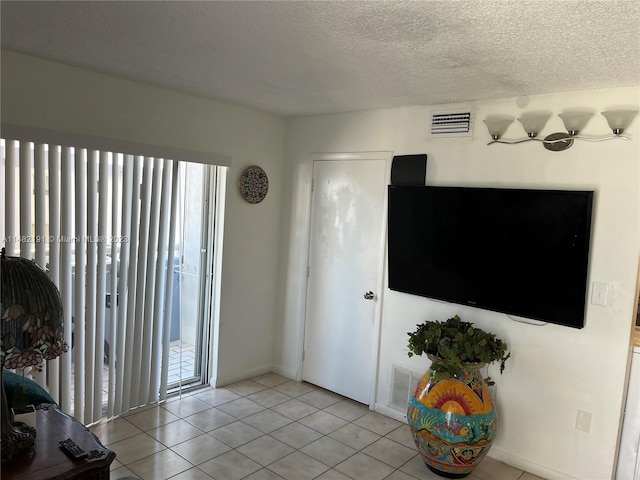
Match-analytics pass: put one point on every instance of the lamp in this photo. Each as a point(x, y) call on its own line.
point(618, 120)
point(574, 122)
point(497, 126)
point(31, 324)
point(533, 123)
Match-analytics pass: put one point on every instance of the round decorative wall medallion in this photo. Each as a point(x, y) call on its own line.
point(253, 184)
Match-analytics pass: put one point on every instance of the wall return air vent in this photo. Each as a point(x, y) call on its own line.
point(403, 383)
point(451, 123)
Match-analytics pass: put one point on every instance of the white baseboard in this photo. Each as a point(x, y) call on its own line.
point(390, 412)
point(527, 465)
point(285, 372)
point(223, 380)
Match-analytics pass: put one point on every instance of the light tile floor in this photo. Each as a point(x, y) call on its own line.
point(269, 428)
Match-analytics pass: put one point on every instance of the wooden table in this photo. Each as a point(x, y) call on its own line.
point(47, 461)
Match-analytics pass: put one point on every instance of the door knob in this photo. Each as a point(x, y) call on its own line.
point(369, 295)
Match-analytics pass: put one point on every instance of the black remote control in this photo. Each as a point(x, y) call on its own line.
point(72, 449)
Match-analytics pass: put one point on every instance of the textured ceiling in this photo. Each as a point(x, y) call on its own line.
point(301, 58)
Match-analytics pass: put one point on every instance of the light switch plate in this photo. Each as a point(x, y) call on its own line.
point(583, 421)
point(600, 294)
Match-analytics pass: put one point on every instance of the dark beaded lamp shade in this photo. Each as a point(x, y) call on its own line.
point(32, 322)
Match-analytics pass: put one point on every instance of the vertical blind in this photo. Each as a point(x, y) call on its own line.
point(101, 224)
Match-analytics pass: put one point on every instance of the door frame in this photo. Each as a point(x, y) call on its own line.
point(387, 157)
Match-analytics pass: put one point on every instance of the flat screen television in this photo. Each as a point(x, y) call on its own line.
point(522, 252)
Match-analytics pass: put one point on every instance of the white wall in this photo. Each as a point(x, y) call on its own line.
point(45, 94)
point(554, 370)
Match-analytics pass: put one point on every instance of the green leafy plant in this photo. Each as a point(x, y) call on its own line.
point(453, 343)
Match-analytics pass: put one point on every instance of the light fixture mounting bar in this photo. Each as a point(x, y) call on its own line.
point(557, 142)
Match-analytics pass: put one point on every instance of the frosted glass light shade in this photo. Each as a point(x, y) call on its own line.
point(497, 126)
point(618, 120)
point(532, 124)
point(574, 122)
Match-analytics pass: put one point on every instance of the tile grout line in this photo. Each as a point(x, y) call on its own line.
point(327, 435)
point(241, 419)
point(244, 394)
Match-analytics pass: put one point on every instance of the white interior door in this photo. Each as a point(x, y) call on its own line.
point(345, 258)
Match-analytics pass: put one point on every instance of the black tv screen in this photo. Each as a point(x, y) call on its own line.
point(516, 251)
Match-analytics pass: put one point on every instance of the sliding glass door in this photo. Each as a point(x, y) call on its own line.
point(190, 320)
point(129, 241)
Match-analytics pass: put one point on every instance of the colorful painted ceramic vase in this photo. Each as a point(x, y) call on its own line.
point(453, 421)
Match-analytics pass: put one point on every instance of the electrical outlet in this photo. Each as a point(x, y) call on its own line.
point(583, 421)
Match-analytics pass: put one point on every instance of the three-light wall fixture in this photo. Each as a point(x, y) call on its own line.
point(574, 122)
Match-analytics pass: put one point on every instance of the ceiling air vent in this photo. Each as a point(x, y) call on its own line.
point(452, 123)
